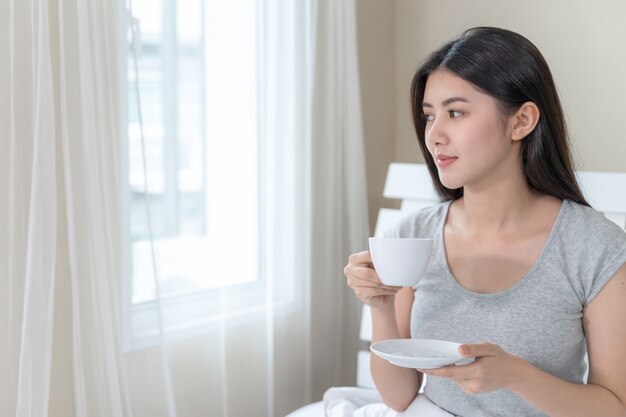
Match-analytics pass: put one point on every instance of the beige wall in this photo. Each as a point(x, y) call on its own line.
point(377, 61)
point(584, 43)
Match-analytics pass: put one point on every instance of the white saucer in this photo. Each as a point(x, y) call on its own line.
point(419, 353)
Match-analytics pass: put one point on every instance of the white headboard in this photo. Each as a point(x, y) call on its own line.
point(411, 183)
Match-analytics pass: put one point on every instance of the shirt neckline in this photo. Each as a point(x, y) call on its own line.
point(521, 281)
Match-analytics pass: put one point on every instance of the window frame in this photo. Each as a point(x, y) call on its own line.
point(193, 313)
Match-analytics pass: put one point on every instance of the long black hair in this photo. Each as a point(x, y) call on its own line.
point(508, 67)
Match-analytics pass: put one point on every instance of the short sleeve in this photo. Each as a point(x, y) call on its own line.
point(606, 267)
point(591, 250)
point(601, 253)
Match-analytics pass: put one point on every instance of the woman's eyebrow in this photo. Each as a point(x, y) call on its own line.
point(447, 101)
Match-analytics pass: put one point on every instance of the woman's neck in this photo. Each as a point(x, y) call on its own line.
point(506, 205)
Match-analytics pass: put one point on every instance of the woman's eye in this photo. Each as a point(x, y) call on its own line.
point(454, 114)
point(428, 117)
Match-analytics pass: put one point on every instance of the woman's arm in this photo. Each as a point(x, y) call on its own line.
point(604, 395)
point(604, 319)
point(397, 386)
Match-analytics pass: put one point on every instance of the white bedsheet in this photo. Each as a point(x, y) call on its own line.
point(359, 402)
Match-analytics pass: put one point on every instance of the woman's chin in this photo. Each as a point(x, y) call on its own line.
point(449, 183)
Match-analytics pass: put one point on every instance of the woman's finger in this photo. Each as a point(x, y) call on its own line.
point(364, 273)
point(365, 292)
point(355, 281)
point(360, 258)
point(479, 350)
point(456, 372)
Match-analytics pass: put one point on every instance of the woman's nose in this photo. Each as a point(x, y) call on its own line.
point(435, 132)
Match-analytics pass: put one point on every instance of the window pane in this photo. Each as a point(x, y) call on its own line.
point(191, 132)
point(199, 105)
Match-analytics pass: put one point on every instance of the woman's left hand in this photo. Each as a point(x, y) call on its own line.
point(493, 369)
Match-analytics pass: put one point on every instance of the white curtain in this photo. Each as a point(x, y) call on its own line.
point(61, 174)
point(89, 136)
point(27, 208)
point(255, 362)
point(339, 192)
point(60, 215)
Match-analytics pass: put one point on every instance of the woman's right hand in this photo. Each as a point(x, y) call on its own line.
point(364, 281)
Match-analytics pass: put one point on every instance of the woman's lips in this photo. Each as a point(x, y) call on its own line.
point(445, 160)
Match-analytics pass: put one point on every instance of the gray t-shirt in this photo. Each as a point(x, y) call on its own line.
point(539, 318)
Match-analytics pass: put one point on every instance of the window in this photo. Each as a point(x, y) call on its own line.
point(199, 78)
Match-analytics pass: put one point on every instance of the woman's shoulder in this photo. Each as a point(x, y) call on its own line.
point(584, 223)
point(423, 223)
point(591, 248)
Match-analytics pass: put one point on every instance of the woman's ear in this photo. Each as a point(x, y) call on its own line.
point(524, 120)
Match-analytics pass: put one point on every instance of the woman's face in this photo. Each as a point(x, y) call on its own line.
point(466, 133)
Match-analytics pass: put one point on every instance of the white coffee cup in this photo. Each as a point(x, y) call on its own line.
point(400, 261)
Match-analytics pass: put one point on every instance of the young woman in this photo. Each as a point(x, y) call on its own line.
point(523, 271)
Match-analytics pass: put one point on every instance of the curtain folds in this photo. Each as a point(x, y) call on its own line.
point(60, 133)
point(90, 138)
point(61, 221)
point(28, 209)
point(339, 192)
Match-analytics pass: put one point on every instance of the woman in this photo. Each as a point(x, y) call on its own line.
point(523, 271)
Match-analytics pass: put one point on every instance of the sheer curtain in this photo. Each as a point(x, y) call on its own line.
point(339, 194)
point(313, 214)
point(89, 119)
point(63, 220)
point(27, 208)
point(252, 359)
point(60, 131)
